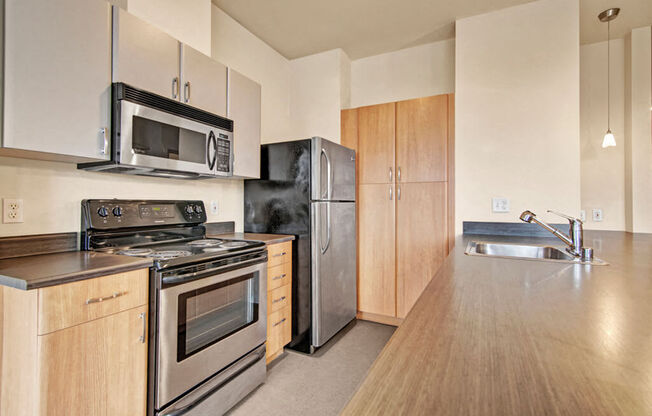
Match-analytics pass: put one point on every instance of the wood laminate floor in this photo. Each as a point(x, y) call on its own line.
point(321, 384)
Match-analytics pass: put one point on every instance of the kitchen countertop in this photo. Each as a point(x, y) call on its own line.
point(33, 272)
point(265, 238)
point(492, 336)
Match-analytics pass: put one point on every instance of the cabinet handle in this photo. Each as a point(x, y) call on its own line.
point(143, 337)
point(280, 254)
point(279, 277)
point(186, 92)
point(103, 298)
point(282, 298)
point(104, 131)
point(399, 193)
point(391, 194)
point(280, 322)
point(391, 175)
point(398, 174)
point(175, 87)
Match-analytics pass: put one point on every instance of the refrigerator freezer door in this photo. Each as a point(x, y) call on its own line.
point(333, 241)
point(333, 171)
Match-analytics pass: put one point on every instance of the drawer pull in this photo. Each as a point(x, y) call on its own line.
point(279, 277)
point(143, 337)
point(102, 299)
point(282, 298)
point(280, 254)
point(280, 322)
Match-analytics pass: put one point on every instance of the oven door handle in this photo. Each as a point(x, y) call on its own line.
point(219, 381)
point(189, 277)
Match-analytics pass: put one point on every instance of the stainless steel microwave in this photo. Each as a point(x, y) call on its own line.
point(156, 136)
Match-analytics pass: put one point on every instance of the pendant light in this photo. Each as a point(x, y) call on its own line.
point(607, 16)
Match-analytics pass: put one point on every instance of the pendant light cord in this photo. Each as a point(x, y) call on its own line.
point(608, 77)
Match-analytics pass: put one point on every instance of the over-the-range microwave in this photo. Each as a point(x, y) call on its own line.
point(156, 136)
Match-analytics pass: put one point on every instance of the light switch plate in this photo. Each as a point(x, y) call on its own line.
point(582, 215)
point(597, 214)
point(500, 204)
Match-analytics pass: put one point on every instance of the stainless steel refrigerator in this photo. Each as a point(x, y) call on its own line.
point(307, 188)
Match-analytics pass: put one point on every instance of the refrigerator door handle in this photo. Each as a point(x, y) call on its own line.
point(328, 230)
point(329, 170)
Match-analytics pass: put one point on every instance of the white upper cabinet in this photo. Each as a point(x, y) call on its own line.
point(203, 81)
point(244, 109)
point(57, 78)
point(144, 56)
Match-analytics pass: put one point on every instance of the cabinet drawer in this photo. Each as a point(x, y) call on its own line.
point(278, 298)
point(279, 330)
point(279, 253)
point(278, 276)
point(71, 304)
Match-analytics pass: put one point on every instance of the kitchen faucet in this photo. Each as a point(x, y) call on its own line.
point(573, 241)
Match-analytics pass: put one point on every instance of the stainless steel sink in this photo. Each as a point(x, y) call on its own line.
point(525, 252)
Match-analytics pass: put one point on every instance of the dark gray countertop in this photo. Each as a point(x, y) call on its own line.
point(493, 336)
point(265, 238)
point(33, 272)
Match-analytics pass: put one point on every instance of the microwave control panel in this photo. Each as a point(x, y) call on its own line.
point(223, 163)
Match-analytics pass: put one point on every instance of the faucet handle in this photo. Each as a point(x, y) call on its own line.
point(568, 217)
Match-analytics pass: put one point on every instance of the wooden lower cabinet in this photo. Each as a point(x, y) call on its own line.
point(96, 367)
point(279, 298)
point(421, 239)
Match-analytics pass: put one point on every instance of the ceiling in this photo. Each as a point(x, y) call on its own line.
point(297, 28)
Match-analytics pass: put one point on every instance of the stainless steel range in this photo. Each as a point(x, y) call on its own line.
point(207, 301)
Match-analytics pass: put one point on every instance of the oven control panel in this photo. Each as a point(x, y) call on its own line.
point(114, 213)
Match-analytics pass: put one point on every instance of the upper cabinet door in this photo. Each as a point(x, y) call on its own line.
point(144, 56)
point(57, 82)
point(376, 143)
point(244, 109)
point(421, 139)
point(203, 81)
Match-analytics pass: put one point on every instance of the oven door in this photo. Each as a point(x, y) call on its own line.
point(156, 139)
point(207, 324)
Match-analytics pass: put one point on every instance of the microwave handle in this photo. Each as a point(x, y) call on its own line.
point(211, 159)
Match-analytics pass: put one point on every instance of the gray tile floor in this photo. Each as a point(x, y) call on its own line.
point(323, 383)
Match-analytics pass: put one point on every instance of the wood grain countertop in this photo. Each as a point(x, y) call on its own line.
point(33, 272)
point(265, 238)
point(494, 336)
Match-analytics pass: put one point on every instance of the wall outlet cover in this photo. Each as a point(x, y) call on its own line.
point(597, 214)
point(214, 207)
point(500, 204)
point(582, 215)
point(12, 210)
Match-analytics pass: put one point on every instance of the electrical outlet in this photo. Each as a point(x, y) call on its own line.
point(214, 207)
point(582, 215)
point(597, 214)
point(500, 204)
point(12, 210)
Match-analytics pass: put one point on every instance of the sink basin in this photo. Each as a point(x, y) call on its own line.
point(525, 252)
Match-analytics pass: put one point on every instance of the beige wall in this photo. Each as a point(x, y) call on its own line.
point(236, 47)
point(409, 73)
point(638, 134)
point(517, 111)
point(602, 170)
point(187, 20)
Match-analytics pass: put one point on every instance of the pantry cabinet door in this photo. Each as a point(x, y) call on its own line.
point(376, 143)
point(57, 78)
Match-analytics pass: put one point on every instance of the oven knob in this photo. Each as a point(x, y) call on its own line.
point(198, 209)
point(102, 212)
point(117, 211)
point(189, 209)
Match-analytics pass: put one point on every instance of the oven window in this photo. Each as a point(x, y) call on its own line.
point(153, 138)
point(212, 313)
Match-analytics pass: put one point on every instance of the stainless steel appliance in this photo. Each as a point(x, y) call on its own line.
point(307, 188)
point(208, 301)
point(156, 136)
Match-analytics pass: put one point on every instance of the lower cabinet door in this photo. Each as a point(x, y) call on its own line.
point(421, 243)
point(279, 331)
point(97, 368)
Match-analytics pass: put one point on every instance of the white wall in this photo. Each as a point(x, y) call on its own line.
point(517, 111)
point(187, 20)
point(420, 71)
point(602, 170)
point(236, 47)
point(638, 133)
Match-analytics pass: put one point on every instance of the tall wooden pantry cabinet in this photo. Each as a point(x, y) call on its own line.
point(405, 199)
